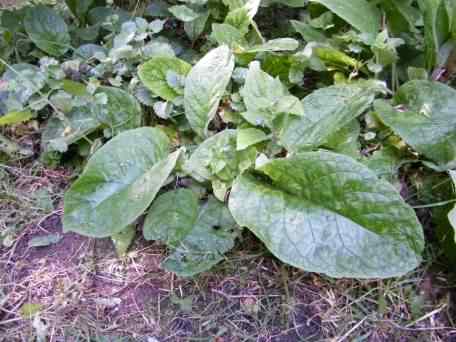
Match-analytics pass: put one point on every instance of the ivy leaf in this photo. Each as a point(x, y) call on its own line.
point(424, 118)
point(326, 111)
point(47, 30)
point(153, 75)
point(119, 182)
point(204, 87)
point(324, 212)
point(212, 234)
point(265, 97)
point(360, 14)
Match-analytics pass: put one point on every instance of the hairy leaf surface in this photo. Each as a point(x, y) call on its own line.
point(119, 182)
point(324, 212)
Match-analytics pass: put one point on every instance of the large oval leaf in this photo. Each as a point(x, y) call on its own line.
point(326, 111)
point(324, 212)
point(119, 183)
point(153, 74)
point(205, 85)
point(358, 13)
point(47, 30)
point(425, 118)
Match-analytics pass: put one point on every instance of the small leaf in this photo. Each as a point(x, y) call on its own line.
point(274, 45)
point(28, 310)
point(13, 118)
point(218, 159)
point(249, 136)
point(119, 182)
point(47, 30)
point(45, 240)
point(204, 87)
point(266, 97)
point(183, 13)
point(153, 75)
point(123, 239)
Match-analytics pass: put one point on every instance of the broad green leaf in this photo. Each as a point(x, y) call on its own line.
point(324, 212)
point(217, 158)
point(228, 35)
point(122, 111)
point(47, 29)
point(401, 16)
point(345, 140)
point(204, 87)
point(12, 118)
point(183, 13)
point(171, 217)
point(212, 234)
point(360, 14)
point(25, 80)
point(194, 28)
point(74, 88)
point(118, 183)
point(265, 97)
point(335, 57)
point(436, 29)
point(425, 119)
point(123, 239)
point(59, 134)
point(79, 8)
point(274, 45)
point(308, 33)
point(88, 51)
point(153, 75)
point(249, 136)
point(326, 111)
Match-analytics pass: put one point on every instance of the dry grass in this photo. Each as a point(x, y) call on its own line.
point(79, 290)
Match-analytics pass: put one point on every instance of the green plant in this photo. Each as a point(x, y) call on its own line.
point(311, 168)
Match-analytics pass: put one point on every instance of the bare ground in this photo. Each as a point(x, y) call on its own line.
point(79, 290)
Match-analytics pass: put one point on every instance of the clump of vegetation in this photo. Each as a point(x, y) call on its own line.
point(326, 128)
